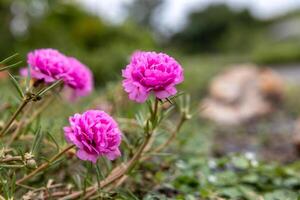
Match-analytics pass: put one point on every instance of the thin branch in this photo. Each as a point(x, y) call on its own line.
point(45, 165)
point(14, 116)
point(15, 158)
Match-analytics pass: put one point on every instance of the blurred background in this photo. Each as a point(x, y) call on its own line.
point(103, 33)
point(241, 60)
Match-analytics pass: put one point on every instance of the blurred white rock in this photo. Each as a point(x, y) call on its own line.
point(242, 93)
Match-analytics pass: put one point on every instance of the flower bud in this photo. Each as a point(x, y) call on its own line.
point(30, 164)
point(28, 156)
point(29, 161)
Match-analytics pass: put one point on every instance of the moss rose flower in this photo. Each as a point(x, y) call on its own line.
point(95, 134)
point(80, 78)
point(50, 65)
point(151, 72)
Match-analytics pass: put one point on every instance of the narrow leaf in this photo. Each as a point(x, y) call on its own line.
point(149, 104)
point(166, 113)
point(140, 119)
point(37, 140)
point(9, 58)
point(13, 184)
point(17, 85)
point(77, 181)
point(43, 91)
point(132, 195)
point(53, 139)
point(28, 78)
point(10, 66)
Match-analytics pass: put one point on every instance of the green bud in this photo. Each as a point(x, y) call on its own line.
point(31, 164)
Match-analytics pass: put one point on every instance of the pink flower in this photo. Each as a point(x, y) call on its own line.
point(50, 65)
point(151, 72)
point(80, 78)
point(95, 134)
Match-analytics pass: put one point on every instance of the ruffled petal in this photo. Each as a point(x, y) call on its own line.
point(113, 155)
point(81, 154)
point(170, 91)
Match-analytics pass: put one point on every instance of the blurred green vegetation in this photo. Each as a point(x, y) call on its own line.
point(74, 31)
point(210, 32)
point(280, 53)
point(219, 29)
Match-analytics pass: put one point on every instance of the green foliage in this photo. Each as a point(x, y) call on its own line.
point(234, 177)
point(268, 52)
point(218, 28)
point(5, 64)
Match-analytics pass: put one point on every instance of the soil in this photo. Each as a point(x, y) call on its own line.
point(270, 139)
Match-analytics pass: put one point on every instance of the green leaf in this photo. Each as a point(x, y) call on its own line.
point(169, 99)
point(128, 195)
point(28, 78)
point(9, 58)
point(140, 119)
point(10, 66)
point(149, 104)
point(77, 181)
point(166, 113)
point(53, 139)
point(5, 188)
point(231, 192)
point(13, 184)
point(37, 140)
point(43, 91)
point(132, 195)
point(17, 85)
point(281, 194)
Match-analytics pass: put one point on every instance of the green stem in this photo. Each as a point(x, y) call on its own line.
point(173, 134)
point(154, 117)
point(14, 116)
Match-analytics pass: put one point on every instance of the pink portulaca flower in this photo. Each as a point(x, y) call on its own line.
point(50, 65)
point(151, 72)
point(80, 78)
point(95, 134)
